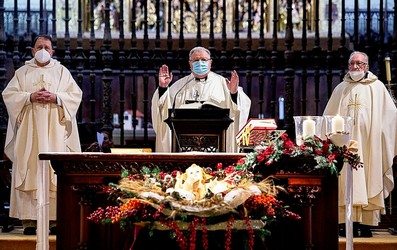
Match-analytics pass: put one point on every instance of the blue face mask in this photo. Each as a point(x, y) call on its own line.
point(200, 68)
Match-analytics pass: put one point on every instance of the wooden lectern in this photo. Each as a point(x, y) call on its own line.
point(201, 129)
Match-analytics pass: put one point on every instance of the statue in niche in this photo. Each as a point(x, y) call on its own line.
point(217, 17)
point(140, 15)
point(189, 16)
point(297, 14)
point(255, 15)
point(99, 15)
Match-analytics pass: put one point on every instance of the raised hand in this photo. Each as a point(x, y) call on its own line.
point(232, 84)
point(165, 77)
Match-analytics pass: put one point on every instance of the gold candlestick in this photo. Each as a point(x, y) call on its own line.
point(388, 78)
point(388, 73)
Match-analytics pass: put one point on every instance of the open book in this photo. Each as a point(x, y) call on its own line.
point(200, 105)
point(255, 131)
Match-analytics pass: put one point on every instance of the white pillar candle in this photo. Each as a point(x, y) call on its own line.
point(308, 128)
point(281, 108)
point(338, 124)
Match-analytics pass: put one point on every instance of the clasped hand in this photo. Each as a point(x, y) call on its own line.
point(43, 96)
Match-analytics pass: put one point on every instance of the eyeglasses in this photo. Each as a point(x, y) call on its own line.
point(201, 59)
point(359, 64)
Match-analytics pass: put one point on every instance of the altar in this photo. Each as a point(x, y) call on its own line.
point(81, 177)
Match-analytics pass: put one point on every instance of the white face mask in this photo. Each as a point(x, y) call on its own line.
point(42, 56)
point(357, 75)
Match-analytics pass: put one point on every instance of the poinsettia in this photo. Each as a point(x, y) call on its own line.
point(236, 192)
point(320, 155)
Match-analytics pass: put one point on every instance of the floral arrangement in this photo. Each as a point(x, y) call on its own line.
point(233, 198)
point(237, 196)
point(314, 156)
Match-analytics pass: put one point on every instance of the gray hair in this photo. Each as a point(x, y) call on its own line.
point(358, 52)
point(198, 49)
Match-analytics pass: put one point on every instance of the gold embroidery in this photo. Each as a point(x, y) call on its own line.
point(354, 104)
point(42, 84)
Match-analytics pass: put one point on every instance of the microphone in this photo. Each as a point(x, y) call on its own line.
point(172, 115)
point(173, 103)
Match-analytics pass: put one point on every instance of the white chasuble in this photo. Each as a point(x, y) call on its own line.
point(374, 127)
point(213, 89)
point(34, 128)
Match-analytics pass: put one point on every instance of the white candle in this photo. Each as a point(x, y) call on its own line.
point(308, 128)
point(338, 124)
point(281, 108)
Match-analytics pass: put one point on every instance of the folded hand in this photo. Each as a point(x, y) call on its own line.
point(43, 96)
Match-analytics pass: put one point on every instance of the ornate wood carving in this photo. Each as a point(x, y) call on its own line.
point(204, 143)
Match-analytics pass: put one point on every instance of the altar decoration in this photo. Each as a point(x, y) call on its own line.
point(307, 126)
point(220, 198)
point(240, 196)
point(313, 156)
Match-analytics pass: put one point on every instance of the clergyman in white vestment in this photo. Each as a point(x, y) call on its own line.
point(366, 99)
point(42, 100)
point(202, 85)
